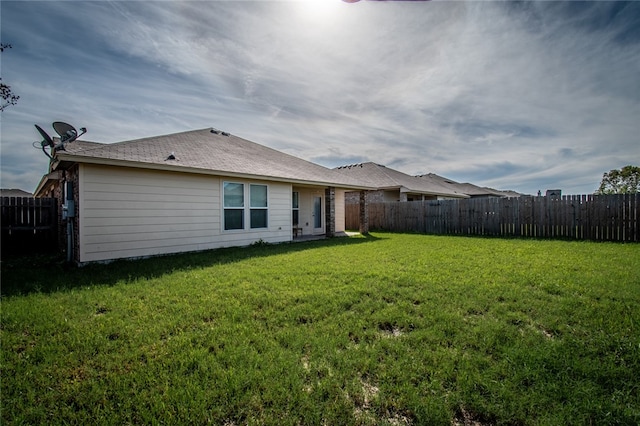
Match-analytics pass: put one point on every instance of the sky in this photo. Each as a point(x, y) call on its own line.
point(524, 96)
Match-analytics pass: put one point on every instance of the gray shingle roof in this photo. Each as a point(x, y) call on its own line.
point(509, 193)
point(382, 177)
point(211, 151)
point(466, 188)
point(12, 192)
point(475, 190)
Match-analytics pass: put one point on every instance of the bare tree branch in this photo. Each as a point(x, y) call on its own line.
point(8, 97)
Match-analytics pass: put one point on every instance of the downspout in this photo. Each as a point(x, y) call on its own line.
point(69, 240)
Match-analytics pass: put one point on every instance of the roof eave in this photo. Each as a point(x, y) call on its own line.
point(65, 159)
point(429, 192)
point(46, 181)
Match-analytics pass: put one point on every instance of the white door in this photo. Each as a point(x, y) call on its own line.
point(317, 215)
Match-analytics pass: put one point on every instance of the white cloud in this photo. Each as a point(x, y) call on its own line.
point(500, 94)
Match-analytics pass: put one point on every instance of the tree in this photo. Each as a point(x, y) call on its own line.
point(8, 97)
point(623, 181)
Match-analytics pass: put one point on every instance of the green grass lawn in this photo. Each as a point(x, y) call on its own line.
point(388, 329)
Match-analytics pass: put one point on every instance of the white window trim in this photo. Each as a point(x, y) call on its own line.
point(297, 208)
point(246, 207)
point(266, 208)
point(225, 208)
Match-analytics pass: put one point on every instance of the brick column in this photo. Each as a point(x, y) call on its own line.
point(62, 226)
point(330, 211)
point(76, 217)
point(364, 213)
point(71, 175)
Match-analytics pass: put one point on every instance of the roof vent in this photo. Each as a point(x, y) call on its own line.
point(220, 132)
point(171, 156)
point(351, 166)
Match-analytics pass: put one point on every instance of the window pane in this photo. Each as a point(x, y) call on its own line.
point(296, 217)
point(259, 218)
point(233, 219)
point(258, 195)
point(295, 200)
point(233, 194)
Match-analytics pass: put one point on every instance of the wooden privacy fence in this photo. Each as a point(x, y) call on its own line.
point(29, 225)
point(582, 217)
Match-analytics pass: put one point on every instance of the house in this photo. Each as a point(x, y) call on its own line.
point(510, 194)
point(18, 193)
point(189, 191)
point(469, 189)
point(392, 185)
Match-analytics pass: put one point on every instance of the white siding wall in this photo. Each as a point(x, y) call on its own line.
point(131, 213)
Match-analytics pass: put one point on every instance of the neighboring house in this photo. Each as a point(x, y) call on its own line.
point(510, 194)
point(18, 193)
point(469, 189)
point(392, 185)
point(189, 191)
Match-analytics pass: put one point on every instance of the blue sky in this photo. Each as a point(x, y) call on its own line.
point(524, 96)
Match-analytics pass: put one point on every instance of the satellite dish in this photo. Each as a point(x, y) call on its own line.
point(46, 139)
point(67, 133)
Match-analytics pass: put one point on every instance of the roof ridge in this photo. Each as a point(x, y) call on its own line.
point(276, 151)
point(158, 136)
point(360, 164)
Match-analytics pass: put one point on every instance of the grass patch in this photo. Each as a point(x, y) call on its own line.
point(389, 329)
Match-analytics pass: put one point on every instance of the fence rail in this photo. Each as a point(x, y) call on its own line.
point(29, 225)
point(581, 217)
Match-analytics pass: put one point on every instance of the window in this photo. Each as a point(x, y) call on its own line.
point(259, 207)
point(233, 205)
point(237, 212)
point(295, 205)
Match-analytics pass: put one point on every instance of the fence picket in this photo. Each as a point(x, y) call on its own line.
point(634, 228)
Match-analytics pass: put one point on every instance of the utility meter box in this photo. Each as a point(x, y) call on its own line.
point(68, 209)
point(69, 206)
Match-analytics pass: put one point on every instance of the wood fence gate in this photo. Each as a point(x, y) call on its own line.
point(29, 225)
point(581, 217)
